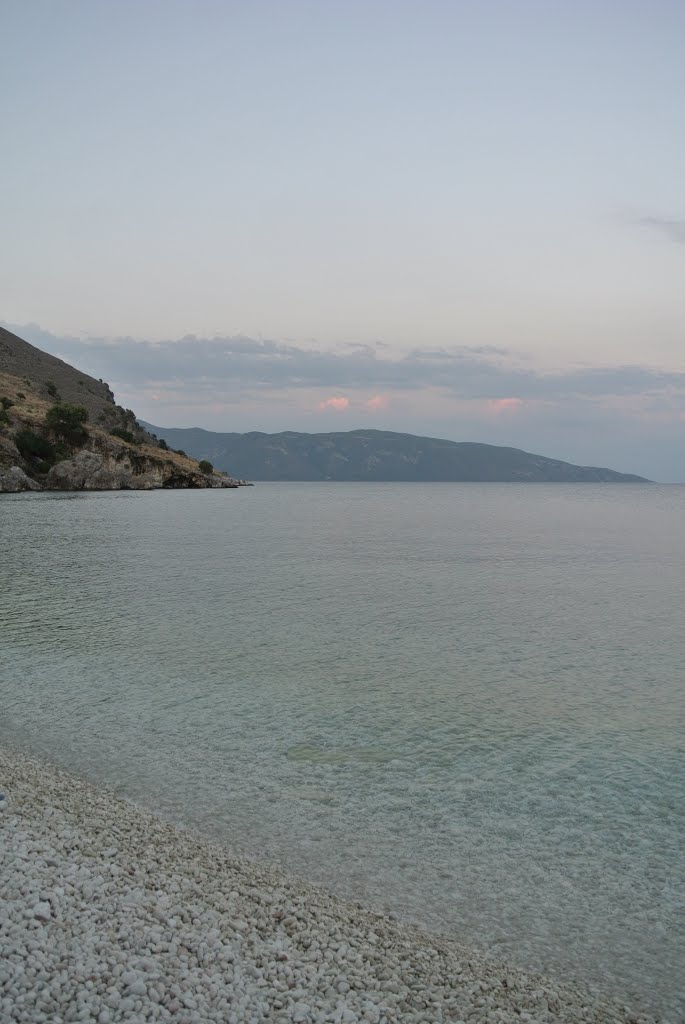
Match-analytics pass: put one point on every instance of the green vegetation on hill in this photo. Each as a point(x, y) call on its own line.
point(68, 421)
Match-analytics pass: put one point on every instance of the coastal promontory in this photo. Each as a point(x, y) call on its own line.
point(61, 429)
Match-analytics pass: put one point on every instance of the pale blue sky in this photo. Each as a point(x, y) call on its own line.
point(420, 177)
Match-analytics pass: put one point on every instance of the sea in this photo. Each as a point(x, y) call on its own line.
point(460, 703)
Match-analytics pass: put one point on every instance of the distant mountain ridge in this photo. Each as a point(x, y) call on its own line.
point(376, 455)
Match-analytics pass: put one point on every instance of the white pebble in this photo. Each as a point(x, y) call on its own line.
point(177, 930)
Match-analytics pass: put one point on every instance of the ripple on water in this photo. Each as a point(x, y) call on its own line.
point(339, 755)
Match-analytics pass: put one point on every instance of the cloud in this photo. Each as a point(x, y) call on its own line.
point(672, 227)
point(498, 405)
point(626, 416)
point(231, 369)
point(337, 402)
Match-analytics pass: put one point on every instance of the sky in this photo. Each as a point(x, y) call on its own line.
point(463, 219)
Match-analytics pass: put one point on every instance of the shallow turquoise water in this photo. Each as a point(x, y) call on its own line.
point(461, 702)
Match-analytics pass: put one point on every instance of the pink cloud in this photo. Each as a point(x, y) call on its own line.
point(377, 402)
point(498, 405)
point(336, 402)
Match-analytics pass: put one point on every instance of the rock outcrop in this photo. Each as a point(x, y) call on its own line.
point(14, 480)
point(116, 466)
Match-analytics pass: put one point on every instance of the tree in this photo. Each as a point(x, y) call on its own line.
point(67, 421)
point(206, 467)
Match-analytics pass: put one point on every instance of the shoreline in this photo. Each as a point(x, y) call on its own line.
point(110, 913)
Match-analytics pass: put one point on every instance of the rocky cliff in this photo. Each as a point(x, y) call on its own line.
point(62, 430)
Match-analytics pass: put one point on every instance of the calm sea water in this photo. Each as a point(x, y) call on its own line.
point(463, 703)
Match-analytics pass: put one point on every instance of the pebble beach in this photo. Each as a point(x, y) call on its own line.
point(109, 914)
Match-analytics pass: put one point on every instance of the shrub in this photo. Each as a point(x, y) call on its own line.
point(51, 388)
point(206, 466)
point(21, 396)
point(6, 403)
point(124, 434)
point(163, 445)
point(33, 446)
point(67, 421)
point(4, 417)
point(179, 451)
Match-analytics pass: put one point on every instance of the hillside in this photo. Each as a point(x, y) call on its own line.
point(39, 370)
point(62, 430)
point(377, 455)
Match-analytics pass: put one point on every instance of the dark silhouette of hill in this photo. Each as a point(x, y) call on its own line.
point(376, 455)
